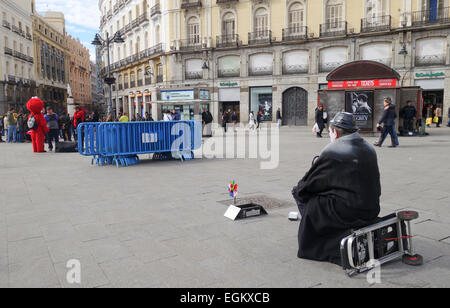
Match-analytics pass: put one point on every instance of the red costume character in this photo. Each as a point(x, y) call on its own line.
point(35, 106)
point(78, 117)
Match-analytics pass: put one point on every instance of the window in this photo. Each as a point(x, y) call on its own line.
point(296, 18)
point(261, 21)
point(229, 66)
point(261, 64)
point(228, 24)
point(295, 62)
point(334, 14)
point(332, 57)
point(376, 8)
point(430, 51)
point(193, 31)
point(194, 69)
point(379, 52)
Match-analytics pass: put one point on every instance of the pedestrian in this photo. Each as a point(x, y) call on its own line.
point(52, 123)
point(5, 126)
point(1, 128)
point(234, 120)
point(20, 128)
point(279, 117)
point(124, 118)
point(319, 121)
point(340, 193)
point(408, 113)
point(66, 127)
point(207, 119)
point(251, 121)
point(259, 119)
point(37, 124)
point(429, 113)
point(325, 119)
point(167, 117)
point(11, 120)
point(148, 117)
point(95, 116)
point(225, 120)
point(438, 115)
point(388, 121)
point(448, 115)
point(78, 118)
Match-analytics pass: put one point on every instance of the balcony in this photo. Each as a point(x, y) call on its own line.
point(260, 71)
point(15, 29)
point(295, 69)
point(11, 79)
point(155, 10)
point(225, 41)
point(6, 24)
point(295, 33)
point(159, 78)
point(376, 24)
point(194, 75)
point(333, 29)
point(260, 37)
point(29, 37)
point(116, 8)
point(8, 51)
point(226, 73)
point(226, 1)
point(429, 60)
point(109, 14)
point(143, 18)
point(188, 4)
point(191, 44)
point(431, 17)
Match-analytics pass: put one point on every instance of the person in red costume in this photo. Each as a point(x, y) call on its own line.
point(78, 118)
point(35, 106)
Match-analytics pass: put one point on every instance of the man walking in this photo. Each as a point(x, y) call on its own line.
point(11, 121)
point(207, 119)
point(279, 117)
point(52, 123)
point(409, 112)
point(319, 121)
point(388, 121)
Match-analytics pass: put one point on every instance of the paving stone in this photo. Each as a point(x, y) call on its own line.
point(38, 273)
point(91, 276)
point(26, 250)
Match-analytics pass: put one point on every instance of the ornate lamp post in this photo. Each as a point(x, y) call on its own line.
point(99, 41)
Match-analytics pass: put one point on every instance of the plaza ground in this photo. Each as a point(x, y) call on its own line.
point(161, 224)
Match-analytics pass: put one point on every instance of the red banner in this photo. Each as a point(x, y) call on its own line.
point(374, 83)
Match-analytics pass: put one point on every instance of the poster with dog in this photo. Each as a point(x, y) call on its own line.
point(360, 104)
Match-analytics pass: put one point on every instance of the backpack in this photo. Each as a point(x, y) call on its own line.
point(32, 123)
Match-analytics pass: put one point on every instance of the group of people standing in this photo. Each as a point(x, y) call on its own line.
point(124, 118)
point(13, 127)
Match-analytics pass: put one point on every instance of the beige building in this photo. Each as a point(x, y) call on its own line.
point(17, 82)
point(261, 55)
point(51, 59)
point(79, 72)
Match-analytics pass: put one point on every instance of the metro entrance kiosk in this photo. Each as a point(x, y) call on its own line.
point(360, 88)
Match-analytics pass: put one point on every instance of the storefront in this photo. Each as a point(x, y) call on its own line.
point(432, 84)
point(189, 103)
point(229, 98)
point(360, 88)
point(261, 101)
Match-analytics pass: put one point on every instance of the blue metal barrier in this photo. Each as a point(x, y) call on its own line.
point(120, 143)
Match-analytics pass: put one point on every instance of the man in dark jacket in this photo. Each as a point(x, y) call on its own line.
point(53, 124)
point(409, 112)
point(319, 120)
point(340, 192)
point(388, 121)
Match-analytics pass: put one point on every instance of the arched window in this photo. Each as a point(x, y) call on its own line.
point(228, 25)
point(334, 14)
point(296, 18)
point(193, 31)
point(261, 22)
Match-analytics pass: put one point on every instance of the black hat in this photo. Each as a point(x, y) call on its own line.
point(345, 121)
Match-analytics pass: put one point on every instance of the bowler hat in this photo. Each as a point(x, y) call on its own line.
point(345, 121)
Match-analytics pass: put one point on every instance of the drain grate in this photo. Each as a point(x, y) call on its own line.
point(265, 201)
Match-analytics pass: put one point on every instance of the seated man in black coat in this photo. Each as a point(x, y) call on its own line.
point(340, 193)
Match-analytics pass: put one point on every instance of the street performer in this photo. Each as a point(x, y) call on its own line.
point(340, 193)
point(39, 129)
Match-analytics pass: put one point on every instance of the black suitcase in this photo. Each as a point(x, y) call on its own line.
point(66, 147)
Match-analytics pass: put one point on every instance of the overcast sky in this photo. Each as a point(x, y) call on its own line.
point(82, 18)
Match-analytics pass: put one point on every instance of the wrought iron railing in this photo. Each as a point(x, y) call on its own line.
point(376, 24)
point(295, 69)
point(186, 4)
point(8, 51)
point(295, 33)
point(194, 75)
point(432, 16)
point(155, 10)
point(260, 70)
point(194, 43)
point(331, 29)
point(227, 41)
point(233, 72)
point(260, 37)
point(430, 60)
point(329, 66)
point(6, 24)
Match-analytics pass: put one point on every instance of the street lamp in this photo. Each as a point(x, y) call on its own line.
point(99, 41)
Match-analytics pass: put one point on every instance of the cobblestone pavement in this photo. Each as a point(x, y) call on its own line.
point(161, 224)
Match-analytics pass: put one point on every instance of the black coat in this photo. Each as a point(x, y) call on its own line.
point(409, 112)
point(341, 192)
point(388, 118)
point(319, 118)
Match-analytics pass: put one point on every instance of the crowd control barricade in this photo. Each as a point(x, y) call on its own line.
point(120, 143)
